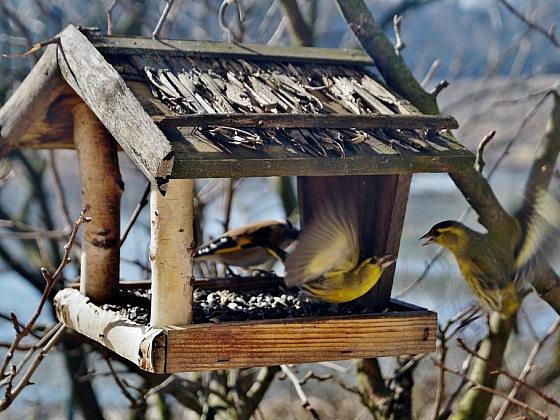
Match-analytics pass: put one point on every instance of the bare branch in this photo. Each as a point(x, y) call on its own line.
point(121, 383)
point(162, 18)
point(59, 194)
point(439, 87)
point(479, 163)
point(110, 17)
point(528, 366)
point(141, 204)
point(499, 371)
point(433, 68)
point(492, 391)
point(399, 45)
point(301, 394)
point(547, 33)
point(11, 392)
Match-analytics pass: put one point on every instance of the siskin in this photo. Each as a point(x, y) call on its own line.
point(499, 267)
point(327, 264)
point(486, 267)
point(251, 244)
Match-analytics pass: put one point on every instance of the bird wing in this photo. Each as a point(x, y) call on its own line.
point(540, 233)
point(329, 243)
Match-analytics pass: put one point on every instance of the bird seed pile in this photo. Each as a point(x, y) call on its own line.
point(226, 305)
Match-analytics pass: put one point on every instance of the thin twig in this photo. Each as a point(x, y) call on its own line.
point(433, 68)
point(499, 371)
point(58, 192)
point(439, 87)
point(34, 48)
point(141, 204)
point(160, 386)
point(443, 336)
point(162, 19)
point(479, 163)
point(399, 45)
point(312, 375)
point(547, 33)
point(42, 342)
point(110, 17)
point(30, 232)
point(11, 392)
point(121, 383)
point(445, 412)
point(301, 394)
point(521, 404)
point(528, 366)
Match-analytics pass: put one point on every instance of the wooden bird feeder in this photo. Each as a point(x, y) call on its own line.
point(183, 110)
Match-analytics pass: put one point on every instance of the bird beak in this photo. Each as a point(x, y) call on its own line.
point(386, 260)
point(429, 237)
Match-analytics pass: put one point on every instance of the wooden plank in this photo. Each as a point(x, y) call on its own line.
point(373, 197)
point(137, 343)
point(434, 122)
point(104, 91)
point(204, 165)
point(110, 45)
point(29, 104)
point(305, 340)
point(392, 227)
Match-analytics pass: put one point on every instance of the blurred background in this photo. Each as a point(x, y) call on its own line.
point(498, 69)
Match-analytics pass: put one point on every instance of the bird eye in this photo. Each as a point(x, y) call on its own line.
point(436, 233)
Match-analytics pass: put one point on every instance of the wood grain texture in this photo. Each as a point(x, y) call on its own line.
point(381, 203)
point(137, 343)
point(267, 343)
point(434, 122)
point(170, 47)
point(275, 162)
point(104, 91)
point(25, 119)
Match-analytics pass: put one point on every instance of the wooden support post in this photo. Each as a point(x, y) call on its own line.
point(101, 194)
point(171, 253)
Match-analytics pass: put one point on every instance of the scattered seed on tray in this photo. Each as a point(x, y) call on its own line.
point(227, 305)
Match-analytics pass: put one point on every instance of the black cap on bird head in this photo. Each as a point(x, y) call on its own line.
point(435, 231)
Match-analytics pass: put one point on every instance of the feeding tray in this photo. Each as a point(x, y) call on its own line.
point(185, 109)
point(402, 329)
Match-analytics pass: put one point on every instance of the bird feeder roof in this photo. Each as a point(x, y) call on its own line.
point(190, 109)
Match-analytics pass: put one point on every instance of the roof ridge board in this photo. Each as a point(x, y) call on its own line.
point(147, 46)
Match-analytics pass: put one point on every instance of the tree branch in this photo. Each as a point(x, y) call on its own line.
point(391, 66)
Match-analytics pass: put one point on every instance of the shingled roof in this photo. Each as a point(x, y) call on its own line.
point(187, 109)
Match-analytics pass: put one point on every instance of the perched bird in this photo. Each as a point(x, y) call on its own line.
point(487, 268)
point(251, 244)
point(327, 264)
point(500, 267)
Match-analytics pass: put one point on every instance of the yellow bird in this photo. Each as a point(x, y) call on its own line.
point(487, 268)
point(499, 267)
point(249, 245)
point(327, 264)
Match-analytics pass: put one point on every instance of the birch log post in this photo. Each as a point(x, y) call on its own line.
point(102, 188)
point(171, 253)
